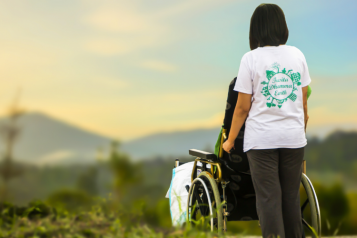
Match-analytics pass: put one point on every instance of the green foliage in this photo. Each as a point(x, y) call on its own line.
point(334, 207)
point(138, 207)
point(125, 172)
point(349, 224)
point(336, 153)
point(87, 181)
point(337, 208)
point(92, 224)
point(70, 200)
point(9, 213)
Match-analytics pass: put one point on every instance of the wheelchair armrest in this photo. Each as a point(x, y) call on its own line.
point(203, 155)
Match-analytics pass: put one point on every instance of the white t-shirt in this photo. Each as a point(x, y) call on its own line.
point(274, 75)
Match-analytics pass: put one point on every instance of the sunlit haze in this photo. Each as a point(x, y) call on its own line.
point(126, 69)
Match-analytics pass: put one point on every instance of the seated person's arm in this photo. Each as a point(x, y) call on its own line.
point(241, 111)
point(308, 91)
point(304, 101)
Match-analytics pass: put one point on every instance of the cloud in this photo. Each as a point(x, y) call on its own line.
point(191, 6)
point(56, 157)
point(122, 27)
point(121, 19)
point(157, 65)
point(121, 45)
point(324, 115)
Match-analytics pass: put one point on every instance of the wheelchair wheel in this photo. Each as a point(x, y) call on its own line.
point(204, 208)
point(312, 219)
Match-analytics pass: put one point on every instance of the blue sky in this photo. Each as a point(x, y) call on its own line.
point(132, 68)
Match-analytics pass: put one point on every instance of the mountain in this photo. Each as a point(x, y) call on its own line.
point(172, 144)
point(46, 140)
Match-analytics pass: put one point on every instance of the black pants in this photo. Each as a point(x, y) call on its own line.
point(276, 175)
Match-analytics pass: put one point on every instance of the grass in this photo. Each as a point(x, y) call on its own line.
point(42, 221)
point(38, 220)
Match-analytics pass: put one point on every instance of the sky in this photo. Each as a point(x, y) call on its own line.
point(127, 69)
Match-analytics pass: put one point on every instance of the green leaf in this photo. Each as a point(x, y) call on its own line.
point(280, 105)
point(269, 104)
point(299, 83)
point(273, 105)
point(264, 82)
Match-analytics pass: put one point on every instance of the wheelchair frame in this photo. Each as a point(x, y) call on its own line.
point(207, 184)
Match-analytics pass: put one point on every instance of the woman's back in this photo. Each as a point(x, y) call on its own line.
point(272, 101)
point(274, 75)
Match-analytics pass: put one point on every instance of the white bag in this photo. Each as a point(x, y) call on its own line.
point(177, 193)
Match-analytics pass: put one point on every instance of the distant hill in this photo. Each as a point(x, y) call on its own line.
point(174, 144)
point(46, 140)
point(338, 151)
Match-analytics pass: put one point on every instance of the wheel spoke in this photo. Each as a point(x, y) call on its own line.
point(205, 204)
point(307, 225)
point(198, 207)
point(304, 205)
point(199, 203)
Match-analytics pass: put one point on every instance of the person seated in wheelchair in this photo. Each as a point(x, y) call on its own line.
point(259, 154)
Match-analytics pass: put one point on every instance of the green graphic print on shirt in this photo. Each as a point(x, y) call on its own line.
point(280, 86)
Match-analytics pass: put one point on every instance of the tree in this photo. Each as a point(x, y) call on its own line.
point(87, 181)
point(9, 132)
point(125, 172)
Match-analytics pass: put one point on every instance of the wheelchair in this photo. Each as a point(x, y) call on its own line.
point(222, 190)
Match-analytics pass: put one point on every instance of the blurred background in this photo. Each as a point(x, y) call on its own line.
point(98, 98)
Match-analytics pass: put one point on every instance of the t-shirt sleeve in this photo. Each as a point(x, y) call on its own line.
point(244, 82)
point(305, 76)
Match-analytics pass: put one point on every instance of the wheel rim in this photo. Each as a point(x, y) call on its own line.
point(312, 201)
point(202, 203)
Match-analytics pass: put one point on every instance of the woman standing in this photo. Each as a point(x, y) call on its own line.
point(272, 83)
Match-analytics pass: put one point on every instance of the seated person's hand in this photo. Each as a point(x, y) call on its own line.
point(228, 145)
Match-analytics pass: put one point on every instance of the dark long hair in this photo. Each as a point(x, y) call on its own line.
point(267, 26)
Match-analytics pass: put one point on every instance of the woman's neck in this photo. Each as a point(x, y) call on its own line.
point(270, 45)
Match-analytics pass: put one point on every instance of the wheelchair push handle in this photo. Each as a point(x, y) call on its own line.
point(224, 139)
